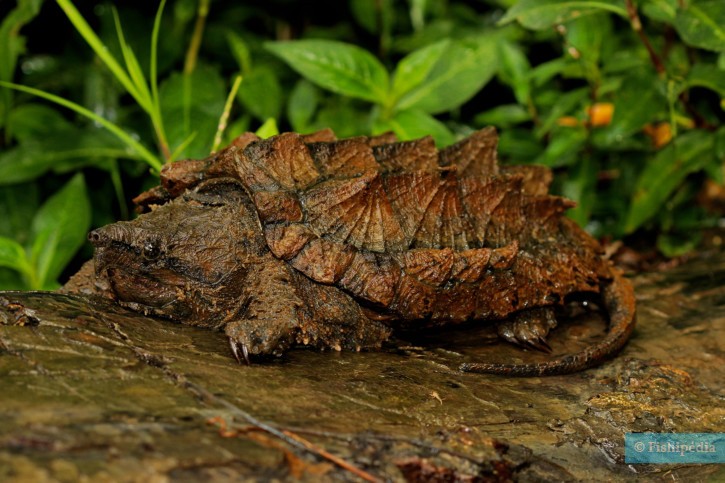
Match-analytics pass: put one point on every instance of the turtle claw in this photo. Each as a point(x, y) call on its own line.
point(529, 329)
point(235, 350)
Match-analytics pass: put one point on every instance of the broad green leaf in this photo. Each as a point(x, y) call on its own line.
point(707, 76)
point(579, 185)
point(678, 244)
point(344, 117)
point(60, 151)
point(34, 121)
point(688, 153)
point(342, 68)
point(587, 35)
point(514, 70)
point(18, 204)
point(240, 50)
point(59, 229)
point(518, 145)
point(564, 148)
point(268, 129)
point(461, 71)
point(702, 24)
point(303, 102)
point(414, 124)
point(542, 14)
point(506, 115)
point(544, 72)
point(637, 103)
point(660, 10)
point(414, 68)
point(192, 103)
point(127, 139)
point(12, 255)
point(565, 104)
point(261, 93)
point(12, 45)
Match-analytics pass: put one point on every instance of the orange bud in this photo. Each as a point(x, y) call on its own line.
point(568, 121)
point(600, 114)
point(659, 133)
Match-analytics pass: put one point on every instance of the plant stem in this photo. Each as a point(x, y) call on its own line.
point(225, 115)
point(193, 52)
point(636, 23)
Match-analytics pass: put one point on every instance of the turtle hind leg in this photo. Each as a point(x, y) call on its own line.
point(619, 302)
point(529, 328)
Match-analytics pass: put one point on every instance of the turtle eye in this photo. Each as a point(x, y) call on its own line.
point(151, 251)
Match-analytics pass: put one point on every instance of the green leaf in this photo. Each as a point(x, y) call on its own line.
point(564, 147)
point(261, 93)
point(587, 35)
point(59, 229)
point(268, 129)
point(12, 45)
point(342, 68)
point(564, 105)
point(144, 153)
point(34, 121)
point(677, 244)
point(240, 50)
point(637, 103)
point(192, 103)
point(12, 255)
point(542, 14)
point(514, 70)
point(460, 72)
point(18, 204)
point(60, 151)
point(580, 186)
point(303, 102)
point(414, 68)
point(688, 153)
point(519, 145)
point(702, 24)
point(660, 10)
point(707, 76)
point(414, 124)
point(503, 116)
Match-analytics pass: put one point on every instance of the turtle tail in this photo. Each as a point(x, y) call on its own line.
point(620, 304)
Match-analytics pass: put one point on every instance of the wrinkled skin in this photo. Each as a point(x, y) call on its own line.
point(307, 241)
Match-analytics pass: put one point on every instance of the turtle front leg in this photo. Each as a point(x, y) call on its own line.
point(529, 328)
point(268, 318)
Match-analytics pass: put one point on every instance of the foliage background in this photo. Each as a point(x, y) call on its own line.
point(623, 99)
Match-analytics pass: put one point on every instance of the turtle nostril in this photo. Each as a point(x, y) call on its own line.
point(94, 236)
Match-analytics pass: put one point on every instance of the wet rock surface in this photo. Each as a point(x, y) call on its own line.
point(91, 391)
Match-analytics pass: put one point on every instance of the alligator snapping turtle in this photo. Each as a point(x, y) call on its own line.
point(309, 240)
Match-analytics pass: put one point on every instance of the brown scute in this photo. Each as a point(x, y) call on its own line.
point(431, 266)
point(474, 155)
point(354, 211)
point(276, 206)
point(323, 261)
point(181, 175)
point(286, 241)
point(420, 154)
point(535, 179)
point(326, 135)
point(384, 138)
point(372, 278)
point(344, 159)
point(470, 265)
point(287, 160)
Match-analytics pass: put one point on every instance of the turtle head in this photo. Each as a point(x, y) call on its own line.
point(186, 260)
